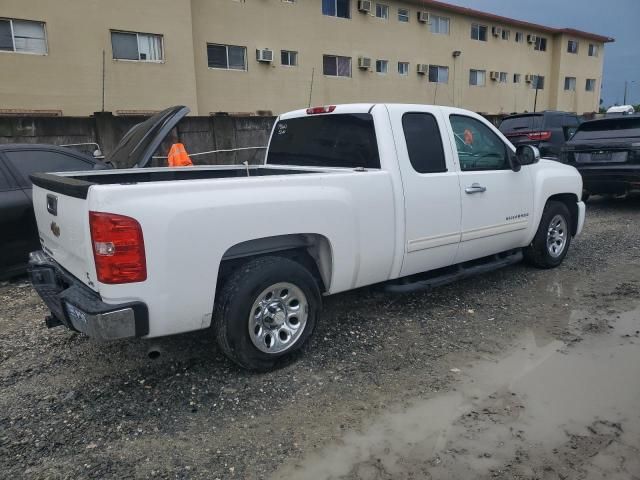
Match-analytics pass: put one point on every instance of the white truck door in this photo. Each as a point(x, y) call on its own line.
point(431, 187)
point(496, 201)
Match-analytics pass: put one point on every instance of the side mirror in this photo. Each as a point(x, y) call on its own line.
point(527, 154)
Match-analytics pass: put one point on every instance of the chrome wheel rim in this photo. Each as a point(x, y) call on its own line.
point(278, 318)
point(557, 236)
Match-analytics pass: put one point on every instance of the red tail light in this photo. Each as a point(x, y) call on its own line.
point(544, 135)
point(317, 110)
point(118, 248)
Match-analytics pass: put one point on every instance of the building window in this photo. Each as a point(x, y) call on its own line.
point(477, 77)
point(593, 50)
point(143, 47)
point(541, 44)
point(382, 66)
point(336, 66)
point(506, 34)
point(227, 57)
point(479, 32)
point(519, 37)
point(516, 78)
point(572, 46)
point(438, 74)
point(537, 81)
point(403, 15)
point(23, 36)
point(502, 77)
point(289, 58)
point(439, 24)
point(570, 83)
point(590, 85)
point(382, 10)
point(403, 68)
point(336, 8)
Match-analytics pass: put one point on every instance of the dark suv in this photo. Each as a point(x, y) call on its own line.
point(548, 130)
point(18, 231)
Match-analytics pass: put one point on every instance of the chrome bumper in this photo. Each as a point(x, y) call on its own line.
point(79, 308)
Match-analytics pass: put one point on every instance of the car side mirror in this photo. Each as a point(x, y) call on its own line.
point(527, 154)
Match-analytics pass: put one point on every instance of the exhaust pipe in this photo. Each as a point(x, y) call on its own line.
point(154, 351)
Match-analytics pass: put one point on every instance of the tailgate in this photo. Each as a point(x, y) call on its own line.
point(63, 228)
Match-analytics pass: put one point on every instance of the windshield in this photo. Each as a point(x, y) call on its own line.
point(619, 127)
point(338, 140)
point(522, 122)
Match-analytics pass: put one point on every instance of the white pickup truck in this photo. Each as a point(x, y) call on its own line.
point(348, 196)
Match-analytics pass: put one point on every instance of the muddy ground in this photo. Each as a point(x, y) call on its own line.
point(520, 373)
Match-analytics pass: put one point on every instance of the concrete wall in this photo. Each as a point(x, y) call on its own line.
point(199, 134)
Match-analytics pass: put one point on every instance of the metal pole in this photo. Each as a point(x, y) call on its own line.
point(535, 99)
point(313, 71)
point(103, 79)
point(624, 102)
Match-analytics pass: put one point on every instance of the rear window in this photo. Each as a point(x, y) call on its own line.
point(521, 122)
point(609, 128)
point(338, 140)
point(26, 162)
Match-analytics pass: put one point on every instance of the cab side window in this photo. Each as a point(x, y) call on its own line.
point(478, 147)
point(424, 142)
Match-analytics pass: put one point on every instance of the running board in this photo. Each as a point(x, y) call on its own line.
point(443, 276)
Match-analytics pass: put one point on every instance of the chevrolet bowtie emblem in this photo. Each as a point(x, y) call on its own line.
point(55, 229)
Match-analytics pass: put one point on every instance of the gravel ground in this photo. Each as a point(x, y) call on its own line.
point(73, 408)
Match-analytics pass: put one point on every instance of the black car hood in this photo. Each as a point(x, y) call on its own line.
point(139, 144)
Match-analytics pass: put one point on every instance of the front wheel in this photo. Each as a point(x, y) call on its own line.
point(267, 310)
point(552, 240)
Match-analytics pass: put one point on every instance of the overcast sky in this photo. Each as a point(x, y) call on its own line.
point(619, 19)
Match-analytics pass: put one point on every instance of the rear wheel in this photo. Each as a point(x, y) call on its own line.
point(266, 311)
point(552, 240)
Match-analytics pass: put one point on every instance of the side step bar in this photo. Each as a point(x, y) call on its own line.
point(428, 280)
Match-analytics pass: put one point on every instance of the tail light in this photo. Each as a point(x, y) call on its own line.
point(544, 135)
point(317, 110)
point(118, 248)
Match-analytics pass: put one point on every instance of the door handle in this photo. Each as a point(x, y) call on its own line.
point(475, 188)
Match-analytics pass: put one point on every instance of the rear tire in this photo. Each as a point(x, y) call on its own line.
point(266, 311)
point(551, 242)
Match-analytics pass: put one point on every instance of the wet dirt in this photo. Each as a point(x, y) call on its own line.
point(543, 410)
point(521, 373)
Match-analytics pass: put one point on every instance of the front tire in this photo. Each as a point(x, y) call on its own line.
point(267, 310)
point(552, 240)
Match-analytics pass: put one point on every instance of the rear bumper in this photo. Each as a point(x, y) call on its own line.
point(79, 308)
point(610, 179)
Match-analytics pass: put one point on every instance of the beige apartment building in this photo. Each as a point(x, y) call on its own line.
point(77, 57)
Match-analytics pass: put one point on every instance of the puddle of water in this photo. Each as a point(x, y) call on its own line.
point(528, 403)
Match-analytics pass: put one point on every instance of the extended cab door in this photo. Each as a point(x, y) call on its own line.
point(431, 187)
point(496, 201)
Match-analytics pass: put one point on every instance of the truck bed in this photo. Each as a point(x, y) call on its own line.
point(77, 184)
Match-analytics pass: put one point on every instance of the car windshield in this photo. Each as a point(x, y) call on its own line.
point(609, 128)
point(521, 122)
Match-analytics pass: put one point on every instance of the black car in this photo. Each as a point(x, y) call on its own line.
point(607, 154)
point(548, 130)
point(18, 231)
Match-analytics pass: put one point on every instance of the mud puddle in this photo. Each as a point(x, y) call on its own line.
point(547, 409)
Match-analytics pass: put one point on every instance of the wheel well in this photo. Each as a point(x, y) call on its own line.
point(571, 201)
point(312, 251)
